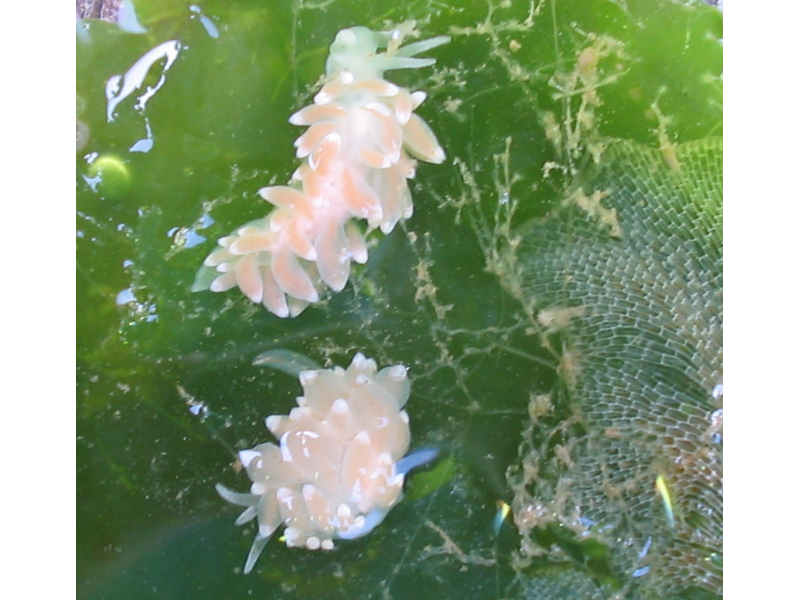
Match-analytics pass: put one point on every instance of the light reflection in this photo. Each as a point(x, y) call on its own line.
point(645, 548)
point(666, 498)
point(207, 23)
point(502, 512)
point(82, 31)
point(187, 237)
point(586, 522)
point(119, 87)
point(146, 143)
point(127, 19)
point(93, 182)
point(140, 311)
point(126, 296)
point(205, 220)
point(193, 239)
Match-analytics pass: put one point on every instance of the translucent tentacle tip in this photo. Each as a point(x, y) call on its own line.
point(418, 458)
point(356, 50)
point(375, 516)
point(372, 519)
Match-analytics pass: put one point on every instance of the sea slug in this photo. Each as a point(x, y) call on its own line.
point(337, 469)
point(362, 132)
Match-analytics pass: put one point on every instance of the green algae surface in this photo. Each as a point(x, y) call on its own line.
point(556, 296)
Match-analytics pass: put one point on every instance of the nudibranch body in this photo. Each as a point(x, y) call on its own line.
point(361, 129)
point(337, 469)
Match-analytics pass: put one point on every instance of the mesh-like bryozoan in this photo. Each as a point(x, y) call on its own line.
point(636, 465)
point(337, 469)
point(361, 129)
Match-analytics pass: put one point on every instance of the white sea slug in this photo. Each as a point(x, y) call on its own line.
point(337, 469)
point(356, 163)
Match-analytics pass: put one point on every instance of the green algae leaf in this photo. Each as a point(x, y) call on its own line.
point(556, 296)
point(429, 481)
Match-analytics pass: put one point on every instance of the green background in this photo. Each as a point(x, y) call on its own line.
point(456, 294)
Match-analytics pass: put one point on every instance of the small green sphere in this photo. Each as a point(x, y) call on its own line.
point(114, 174)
